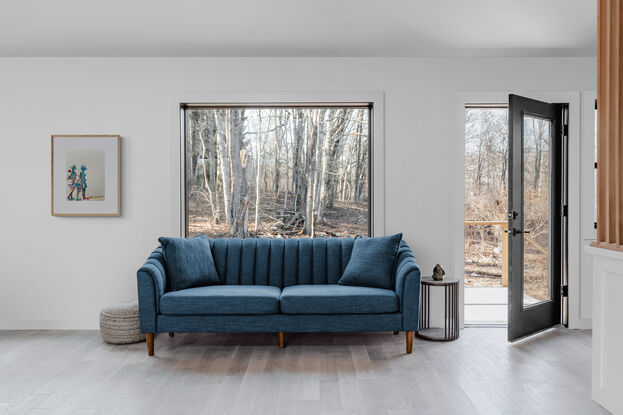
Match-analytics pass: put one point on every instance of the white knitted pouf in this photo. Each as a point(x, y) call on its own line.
point(120, 324)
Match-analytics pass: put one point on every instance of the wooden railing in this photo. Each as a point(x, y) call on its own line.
point(504, 226)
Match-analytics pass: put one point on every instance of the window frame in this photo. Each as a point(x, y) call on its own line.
point(185, 106)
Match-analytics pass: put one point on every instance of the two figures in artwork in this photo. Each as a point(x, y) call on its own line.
point(77, 182)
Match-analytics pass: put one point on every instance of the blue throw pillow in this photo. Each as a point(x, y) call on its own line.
point(189, 262)
point(372, 262)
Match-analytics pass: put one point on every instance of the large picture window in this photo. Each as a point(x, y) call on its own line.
point(277, 171)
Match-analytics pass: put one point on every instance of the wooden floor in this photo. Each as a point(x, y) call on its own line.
point(59, 372)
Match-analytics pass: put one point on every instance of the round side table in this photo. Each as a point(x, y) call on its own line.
point(450, 330)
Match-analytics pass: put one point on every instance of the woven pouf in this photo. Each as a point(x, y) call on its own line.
point(119, 324)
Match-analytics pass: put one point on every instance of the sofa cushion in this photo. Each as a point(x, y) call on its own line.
point(222, 299)
point(372, 262)
point(337, 299)
point(189, 262)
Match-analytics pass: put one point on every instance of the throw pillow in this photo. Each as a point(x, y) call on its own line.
point(189, 262)
point(372, 262)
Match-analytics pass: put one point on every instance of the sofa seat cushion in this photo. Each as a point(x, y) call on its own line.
point(222, 300)
point(337, 299)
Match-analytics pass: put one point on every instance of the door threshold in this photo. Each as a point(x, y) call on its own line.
point(485, 325)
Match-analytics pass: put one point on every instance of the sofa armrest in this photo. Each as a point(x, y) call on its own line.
point(408, 278)
point(152, 284)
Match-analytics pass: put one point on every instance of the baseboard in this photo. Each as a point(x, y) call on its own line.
point(439, 322)
point(581, 324)
point(51, 324)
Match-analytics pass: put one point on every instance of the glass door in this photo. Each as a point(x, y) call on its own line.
point(535, 215)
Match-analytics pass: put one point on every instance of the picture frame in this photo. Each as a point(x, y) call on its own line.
point(86, 175)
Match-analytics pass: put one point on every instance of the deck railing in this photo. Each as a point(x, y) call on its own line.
point(504, 226)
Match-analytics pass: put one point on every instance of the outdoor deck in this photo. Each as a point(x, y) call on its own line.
point(486, 305)
point(489, 305)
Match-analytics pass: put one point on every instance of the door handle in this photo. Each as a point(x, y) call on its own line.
point(515, 231)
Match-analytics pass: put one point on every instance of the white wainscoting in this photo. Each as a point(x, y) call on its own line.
point(607, 370)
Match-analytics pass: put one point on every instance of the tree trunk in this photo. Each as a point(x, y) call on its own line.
point(298, 133)
point(212, 146)
point(538, 155)
point(240, 175)
point(324, 166)
point(278, 144)
point(357, 178)
point(258, 160)
point(223, 137)
point(206, 181)
point(286, 191)
point(311, 170)
point(334, 177)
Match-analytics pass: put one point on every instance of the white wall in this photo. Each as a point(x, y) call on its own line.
point(606, 379)
point(59, 272)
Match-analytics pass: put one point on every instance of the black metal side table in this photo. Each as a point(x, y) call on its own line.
point(450, 330)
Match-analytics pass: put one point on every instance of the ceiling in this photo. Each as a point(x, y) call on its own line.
point(297, 28)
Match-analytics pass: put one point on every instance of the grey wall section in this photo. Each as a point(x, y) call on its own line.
point(59, 272)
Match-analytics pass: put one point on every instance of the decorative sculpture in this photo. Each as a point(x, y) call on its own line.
point(438, 273)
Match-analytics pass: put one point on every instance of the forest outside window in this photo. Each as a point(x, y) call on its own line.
point(277, 171)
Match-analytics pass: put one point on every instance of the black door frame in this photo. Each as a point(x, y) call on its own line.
point(524, 321)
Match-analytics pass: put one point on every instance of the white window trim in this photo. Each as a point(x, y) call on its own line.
point(377, 157)
point(589, 233)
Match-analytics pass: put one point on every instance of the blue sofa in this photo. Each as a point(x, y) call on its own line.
point(279, 285)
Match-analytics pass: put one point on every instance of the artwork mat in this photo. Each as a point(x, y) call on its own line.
point(111, 144)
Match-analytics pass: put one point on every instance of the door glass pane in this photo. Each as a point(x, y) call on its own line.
point(536, 182)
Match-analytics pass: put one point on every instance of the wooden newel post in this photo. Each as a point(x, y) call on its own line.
point(505, 256)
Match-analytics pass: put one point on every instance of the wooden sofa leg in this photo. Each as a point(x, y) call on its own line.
point(150, 343)
point(409, 341)
point(396, 332)
point(171, 334)
point(282, 340)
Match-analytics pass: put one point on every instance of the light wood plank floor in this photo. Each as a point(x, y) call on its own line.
point(59, 372)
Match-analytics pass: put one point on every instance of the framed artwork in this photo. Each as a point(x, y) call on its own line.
point(86, 175)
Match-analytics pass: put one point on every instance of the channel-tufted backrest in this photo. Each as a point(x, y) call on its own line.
point(281, 262)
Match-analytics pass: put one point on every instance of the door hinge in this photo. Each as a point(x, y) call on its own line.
point(565, 120)
point(564, 210)
point(564, 291)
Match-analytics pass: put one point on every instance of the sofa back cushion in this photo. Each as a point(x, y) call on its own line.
point(281, 262)
point(372, 262)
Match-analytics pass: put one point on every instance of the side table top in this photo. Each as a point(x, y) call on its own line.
point(445, 281)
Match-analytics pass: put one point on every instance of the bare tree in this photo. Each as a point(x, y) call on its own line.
point(258, 161)
point(240, 175)
point(222, 138)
